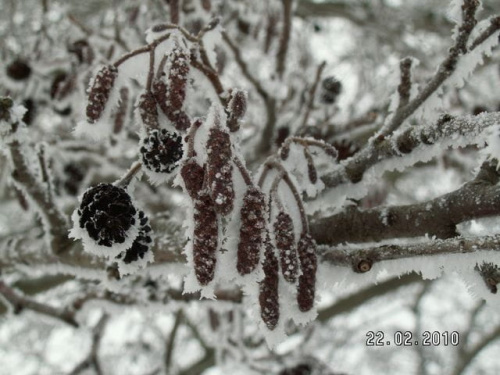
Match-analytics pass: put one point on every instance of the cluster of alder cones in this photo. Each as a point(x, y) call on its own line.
point(264, 239)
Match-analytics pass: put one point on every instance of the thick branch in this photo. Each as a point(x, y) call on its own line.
point(465, 129)
point(362, 260)
point(437, 217)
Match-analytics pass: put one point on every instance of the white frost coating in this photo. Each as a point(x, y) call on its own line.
point(16, 114)
point(430, 267)
point(211, 39)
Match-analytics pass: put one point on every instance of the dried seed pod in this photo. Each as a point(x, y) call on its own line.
point(268, 295)
point(285, 241)
point(193, 174)
point(177, 79)
point(220, 170)
point(236, 108)
point(205, 238)
point(252, 228)
point(148, 110)
point(100, 91)
point(18, 70)
point(161, 151)
point(308, 265)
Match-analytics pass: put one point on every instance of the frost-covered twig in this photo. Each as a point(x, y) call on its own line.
point(20, 302)
point(351, 302)
point(312, 93)
point(362, 260)
point(437, 217)
point(169, 348)
point(446, 68)
point(464, 130)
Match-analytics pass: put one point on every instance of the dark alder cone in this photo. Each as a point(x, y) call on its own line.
point(301, 369)
point(331, 88)
point(106, 213)
point(237, 108)
point(268, 294)
point(285, 239)
point(73, 176)
point(100, 91)
point(161, 151)
point(18, 70)
point(205, 238)
point(253, 224)
point(142, 243)
point(81, 48)
point(308, 265)
point(177, 79)
point(281, 134)
point(30, 106)
point(220, 170)
point(193, 174)
point(148, 110)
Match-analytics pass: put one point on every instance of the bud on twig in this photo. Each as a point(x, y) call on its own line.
point(100, 92)
point(284, 235)
point(252, 228)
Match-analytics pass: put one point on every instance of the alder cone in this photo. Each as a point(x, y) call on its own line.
point(205, 238)
point(284, 236)
point(193, 174)
point(308, 265)
point(220, 170)
point(268, 295)
point(100, 92)
point(148, 110)
point(161, 151)
point(142, 243)
point(252, 228)
point(106, 213)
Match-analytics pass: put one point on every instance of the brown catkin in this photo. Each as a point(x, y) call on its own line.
point(205, 238)
point(178, 117)
point(177, 79)
point(148, 110)
point(252, 228)
point(269, 295)
point(311, 168)
point(236, 108)
point(285, 238)
point(220, 170)
point(99, 92)
point(193, 174)
point(308, 265)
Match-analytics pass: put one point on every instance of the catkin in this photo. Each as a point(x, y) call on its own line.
point(148, 110)
point(253, 224)
point(193, 174)
point(269, 296)
point(236, 108)
point(100, 92)
point(220, 170)
point(205, 238)
point(284, 236)
point(308, 265)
